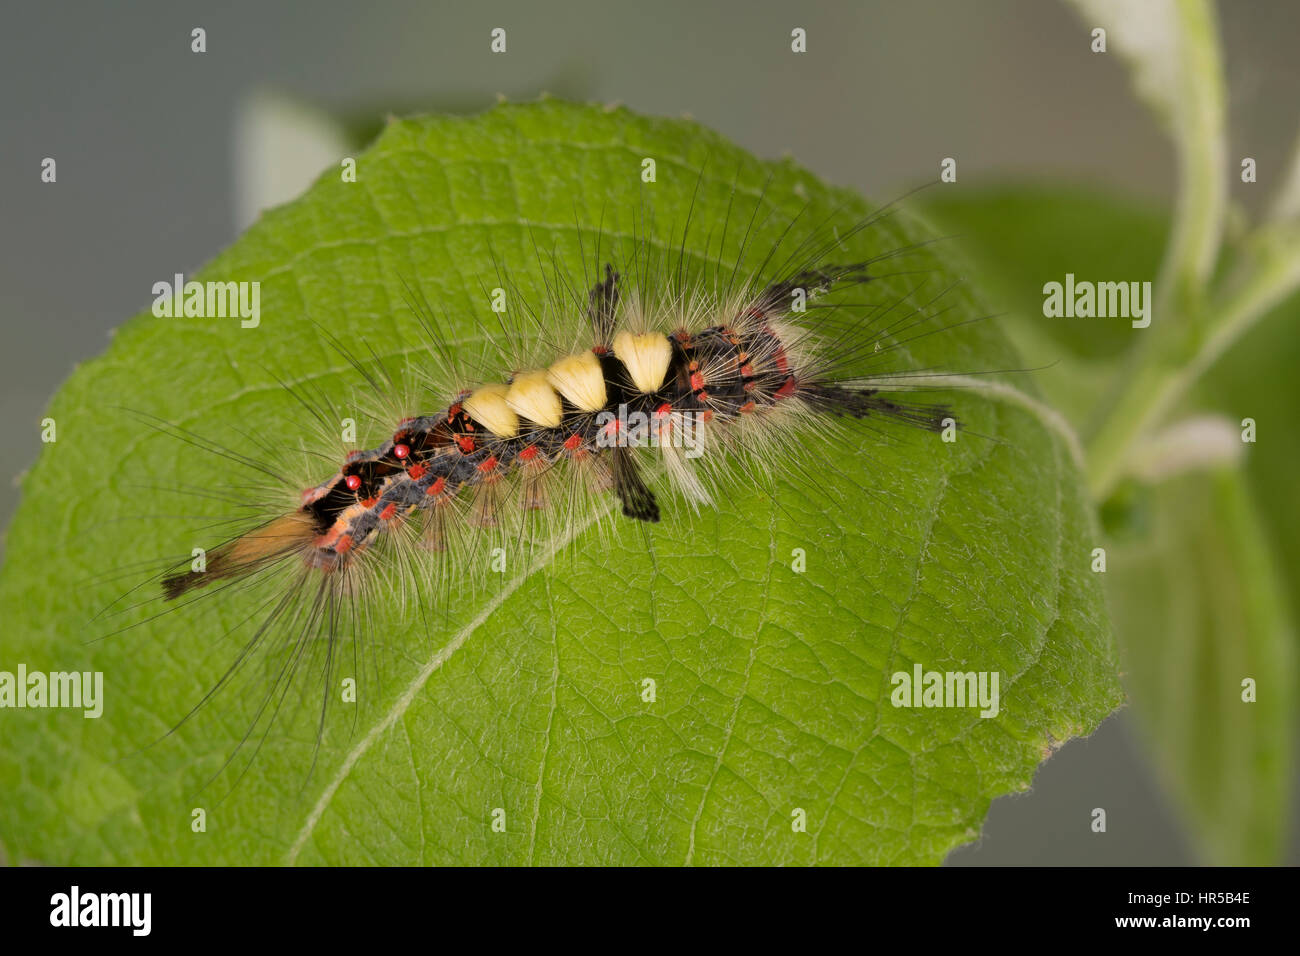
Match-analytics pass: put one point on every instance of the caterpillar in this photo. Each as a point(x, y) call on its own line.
point(500, 443)
point(645, 371)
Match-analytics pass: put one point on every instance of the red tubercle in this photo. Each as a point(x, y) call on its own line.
point(400, 451)
point(746, 408)
point(787, 388)
point(782, 363)
point(437, 487)
point(416, 472)
point(747, 371)
point(390, 509)
point(600, 349)
point(706, 416)
point(344, 544)
point(488, 464)
point(369, 502)
point(353, 482)
point(528, 454)
point(572, 442)
point(465, 444)
point(697, 382)
point(664, 410)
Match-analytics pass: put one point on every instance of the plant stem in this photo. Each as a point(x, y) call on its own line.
point(1160, 381)
point(1198, 122)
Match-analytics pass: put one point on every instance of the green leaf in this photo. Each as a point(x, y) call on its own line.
point(1202, 605)
point(772, 687)
point(1256, 380)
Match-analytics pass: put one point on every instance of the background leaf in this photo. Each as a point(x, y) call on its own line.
point(772, 686)
point(1199, 598)
point(1019, 236)
point(1199, 580)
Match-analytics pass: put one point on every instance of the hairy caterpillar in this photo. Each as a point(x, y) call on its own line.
point(500, 443)
point(710, 379)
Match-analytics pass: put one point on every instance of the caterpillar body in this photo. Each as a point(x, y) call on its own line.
point(743, 372)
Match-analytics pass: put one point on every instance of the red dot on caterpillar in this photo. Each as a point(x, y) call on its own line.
point(401, 451)
point(353, 482)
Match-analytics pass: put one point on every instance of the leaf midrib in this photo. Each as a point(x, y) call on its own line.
point(435, 662)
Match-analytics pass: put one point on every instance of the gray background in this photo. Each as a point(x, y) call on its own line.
point(140, 128)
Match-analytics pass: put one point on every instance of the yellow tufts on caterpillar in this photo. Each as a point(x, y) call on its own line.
point(646, 357)
point(534, 399)
point(490, 407)
point(579, 379)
